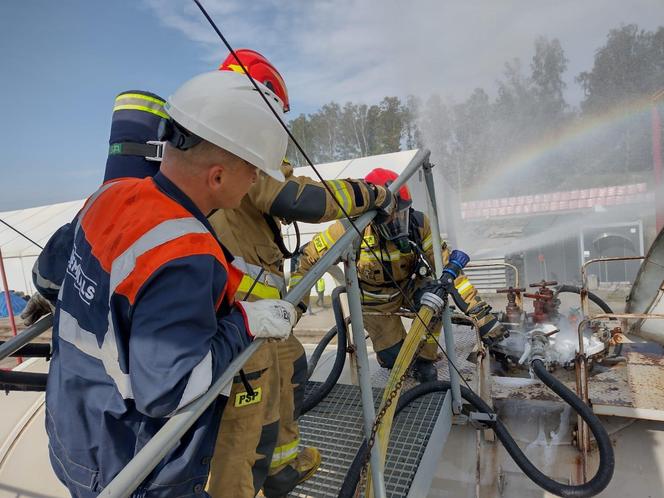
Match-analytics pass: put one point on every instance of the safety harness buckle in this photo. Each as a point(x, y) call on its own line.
point(159, 151)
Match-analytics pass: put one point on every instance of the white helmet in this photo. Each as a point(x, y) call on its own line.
point(224, 108)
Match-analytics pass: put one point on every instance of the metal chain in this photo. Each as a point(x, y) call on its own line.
point(374, 429)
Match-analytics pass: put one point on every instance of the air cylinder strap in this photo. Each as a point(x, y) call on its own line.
point(278, 239)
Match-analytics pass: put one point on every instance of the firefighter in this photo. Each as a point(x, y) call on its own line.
point(145, 316)
point(404, 245)
point(320, 290)
point(260, 442)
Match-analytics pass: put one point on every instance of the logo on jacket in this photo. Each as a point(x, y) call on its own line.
point(244, 399)
point(85, 286)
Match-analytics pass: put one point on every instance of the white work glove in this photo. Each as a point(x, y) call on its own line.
point(269, 318)
point(37, 307)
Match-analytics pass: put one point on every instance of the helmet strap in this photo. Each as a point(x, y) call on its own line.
point(178, 136)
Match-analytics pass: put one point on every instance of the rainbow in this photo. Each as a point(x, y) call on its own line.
point(526, 156)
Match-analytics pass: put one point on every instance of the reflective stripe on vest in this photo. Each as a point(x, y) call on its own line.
point(122, 266)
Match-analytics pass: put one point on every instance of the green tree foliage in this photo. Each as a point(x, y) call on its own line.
point(629, 66)
point(626, 71)
point(479, 140)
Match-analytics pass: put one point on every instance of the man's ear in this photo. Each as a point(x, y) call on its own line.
point(216, 176)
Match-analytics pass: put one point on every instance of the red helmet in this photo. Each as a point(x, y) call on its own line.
point(384, 178)
point(260, 69)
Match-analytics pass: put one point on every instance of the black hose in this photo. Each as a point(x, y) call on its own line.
point(607, 462)
point(320, 348)
point(598, 482)
point(342, 333)
point(595, 299)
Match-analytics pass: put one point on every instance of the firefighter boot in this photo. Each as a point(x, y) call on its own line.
point(424, 371)
point(296, 472)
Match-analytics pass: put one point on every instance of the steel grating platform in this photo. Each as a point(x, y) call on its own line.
point(335, 428)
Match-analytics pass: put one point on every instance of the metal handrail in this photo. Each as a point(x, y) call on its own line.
point(581, 363)
point(584, 277)
point(131, 476)
point(20, 340)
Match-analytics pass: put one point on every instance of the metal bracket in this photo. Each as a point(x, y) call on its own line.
point(481, 420)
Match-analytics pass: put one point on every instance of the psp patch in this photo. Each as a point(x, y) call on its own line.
point(245, 399)
point(319, 243)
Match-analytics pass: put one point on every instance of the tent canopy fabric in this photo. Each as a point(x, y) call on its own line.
point(37, 223)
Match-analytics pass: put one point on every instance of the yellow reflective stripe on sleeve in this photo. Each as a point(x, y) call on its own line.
point(260, 290)
point(327, 236)
point(427, 243)
point(285, 453)
point(464, 287)
point(341, 194)
point(133, 107)
point(294, 280)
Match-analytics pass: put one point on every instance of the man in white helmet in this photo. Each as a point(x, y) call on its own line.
point(145, 319)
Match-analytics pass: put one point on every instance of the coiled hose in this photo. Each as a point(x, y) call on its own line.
point(594, 486)
point(341, 331)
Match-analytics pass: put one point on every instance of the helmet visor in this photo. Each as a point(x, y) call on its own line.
point(396, 227)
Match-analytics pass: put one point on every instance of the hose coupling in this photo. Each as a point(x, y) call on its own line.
point(433, 301)
point(538, 344)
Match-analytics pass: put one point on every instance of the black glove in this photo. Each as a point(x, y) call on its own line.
point(496, 333)
point(436, 287)
point(384, 202)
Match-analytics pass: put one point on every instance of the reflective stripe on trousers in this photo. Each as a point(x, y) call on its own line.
point(284, 454)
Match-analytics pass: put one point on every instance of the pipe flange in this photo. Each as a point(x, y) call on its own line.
point(433, 301)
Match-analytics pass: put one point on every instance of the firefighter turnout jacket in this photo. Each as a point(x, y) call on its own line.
point(249, 231)
point(144, 324)
point(378, 287)
point(263, 437)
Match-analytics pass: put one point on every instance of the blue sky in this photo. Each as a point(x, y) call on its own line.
point(64, 61)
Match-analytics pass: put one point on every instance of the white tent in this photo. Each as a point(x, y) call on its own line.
point(37, 223)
